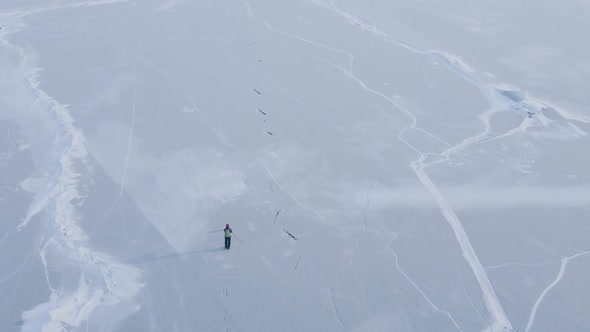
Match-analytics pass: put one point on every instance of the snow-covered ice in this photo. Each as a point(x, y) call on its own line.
point(385, 166)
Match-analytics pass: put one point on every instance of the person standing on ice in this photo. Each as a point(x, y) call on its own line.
point(227, 232)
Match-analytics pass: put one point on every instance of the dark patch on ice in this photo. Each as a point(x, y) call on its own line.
point(268, 132)
point(516, 96)
point(259, 110)
point(66, 326)
point(296, 265)
point(290, 235)
point(258, 92)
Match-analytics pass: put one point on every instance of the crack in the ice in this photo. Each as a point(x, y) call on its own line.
point(516, 264)
point(336, 312)
point(20, 13)
point(276, 216)
point(367, 205)
point(42, 255)
point(5, 237)
point(7, 155)
point(9, 187)
point(131, 130)
point(317, 113)
point(434, 306)
point(473, 303)
point(298, 261)
point(290, 234)
point(228, 316)
point(121, 193)
point(564, 261)
point(13, 273)
point(191, 183)
point(350, 262)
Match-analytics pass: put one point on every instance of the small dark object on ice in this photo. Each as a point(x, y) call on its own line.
point(291, 235)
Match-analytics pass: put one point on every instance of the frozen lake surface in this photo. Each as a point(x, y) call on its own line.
point(385, 166)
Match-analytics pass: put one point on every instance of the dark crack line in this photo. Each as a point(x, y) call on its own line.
point(16, 145)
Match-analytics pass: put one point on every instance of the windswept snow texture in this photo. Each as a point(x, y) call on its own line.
point(385, 165)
